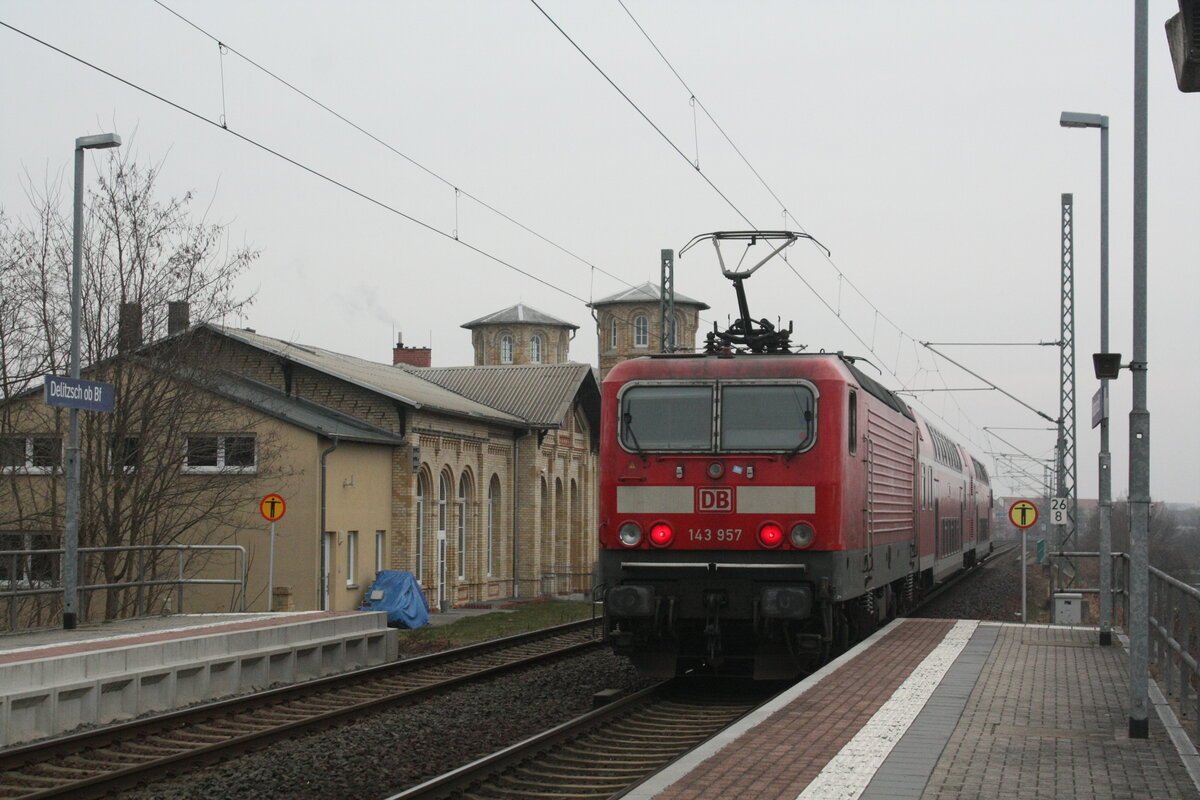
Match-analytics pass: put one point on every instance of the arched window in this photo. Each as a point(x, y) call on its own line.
point(493, 514)
point(612, 333)
point(462, 527)
point(420, 515)
point(641, 331)
point(506, 349)
point(535, 350)
point(443, 494)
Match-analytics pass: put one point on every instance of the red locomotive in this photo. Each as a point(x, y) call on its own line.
point(760, 509)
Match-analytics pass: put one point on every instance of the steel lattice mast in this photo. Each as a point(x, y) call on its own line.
point(1066, 488)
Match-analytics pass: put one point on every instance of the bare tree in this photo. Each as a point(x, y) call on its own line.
point(141, 252)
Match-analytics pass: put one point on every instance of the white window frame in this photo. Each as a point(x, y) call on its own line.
point(351, 559)
point(28, 467)
point(24, 563)
point(535, 349)
point(380, 550)
point(491, 527)
point(612, 334)
point(420, 565)
point(220, 468)
point(641, 331)
point(506, 349)
point(127, 469)
point(462, 527)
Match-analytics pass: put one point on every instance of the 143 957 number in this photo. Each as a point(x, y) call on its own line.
point(715, 535)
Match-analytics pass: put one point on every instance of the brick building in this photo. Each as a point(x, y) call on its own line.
point(520, 335)
point(480, 480)
point(629, 324)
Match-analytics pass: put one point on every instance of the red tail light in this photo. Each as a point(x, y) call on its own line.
point(770, 535)
point(661, 534)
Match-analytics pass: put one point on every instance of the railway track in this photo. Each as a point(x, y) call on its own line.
point(604, 753)
point(964, 575)
point(94, 763)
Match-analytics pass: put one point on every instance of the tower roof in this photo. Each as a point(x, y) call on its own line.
point(520, 314)
point(646, 292)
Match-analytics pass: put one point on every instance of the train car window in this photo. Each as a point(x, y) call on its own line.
point(667, 418)
point(764, 417)
point(853, 422)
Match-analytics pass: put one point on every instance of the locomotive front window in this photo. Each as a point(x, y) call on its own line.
point(667, 418)
point(765, 417)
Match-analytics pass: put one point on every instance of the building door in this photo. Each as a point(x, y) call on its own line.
point(327, 550)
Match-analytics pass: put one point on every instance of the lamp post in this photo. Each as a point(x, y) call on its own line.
point(100, 141)
point(1073, 120)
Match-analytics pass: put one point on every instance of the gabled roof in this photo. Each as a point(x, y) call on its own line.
point(302, 413)
point(519, 314)
point(399, 384)
point(540, 393)
point(646, 292)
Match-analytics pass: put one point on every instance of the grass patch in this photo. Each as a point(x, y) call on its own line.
point(519, 618)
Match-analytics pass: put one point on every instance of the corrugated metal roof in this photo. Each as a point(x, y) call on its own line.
point(540, 393)
point(300, 412)
point(400, 384)
point(519, 314)
point(640, 294)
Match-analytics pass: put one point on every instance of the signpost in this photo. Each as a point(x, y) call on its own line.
point(1024, 515)
point(272, 507)
point(75, 394)
point(78, 393)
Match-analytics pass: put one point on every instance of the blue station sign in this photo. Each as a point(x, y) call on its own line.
point(78, 393)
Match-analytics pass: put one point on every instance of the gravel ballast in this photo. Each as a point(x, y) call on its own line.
point(387, 751)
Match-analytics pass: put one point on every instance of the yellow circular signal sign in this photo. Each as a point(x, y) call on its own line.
point(272, 507)
point(1023, 514)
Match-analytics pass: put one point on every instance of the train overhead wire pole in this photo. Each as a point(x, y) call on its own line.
point(1139, 414)
point(1064, 521)
point(666, 303)
point(1070, 119)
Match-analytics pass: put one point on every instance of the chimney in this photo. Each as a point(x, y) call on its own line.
point(129, 327)
point(411, 356)
point(178, 316)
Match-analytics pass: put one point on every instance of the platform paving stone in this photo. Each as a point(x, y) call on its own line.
point(1048, 719)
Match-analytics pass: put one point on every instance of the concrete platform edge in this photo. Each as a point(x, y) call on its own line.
point(685, 764)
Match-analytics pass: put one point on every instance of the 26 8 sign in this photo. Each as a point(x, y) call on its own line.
point(1058, 510)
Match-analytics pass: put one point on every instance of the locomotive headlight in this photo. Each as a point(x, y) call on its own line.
point(770, 535)
point(630, 534)
point(715, 470)
point(661, 534)
point(802, 535)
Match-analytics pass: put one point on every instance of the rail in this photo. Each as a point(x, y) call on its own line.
point(18, 581)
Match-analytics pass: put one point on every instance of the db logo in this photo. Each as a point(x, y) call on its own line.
point(715, 499)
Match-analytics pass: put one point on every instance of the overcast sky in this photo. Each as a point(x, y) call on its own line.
point(918, 141)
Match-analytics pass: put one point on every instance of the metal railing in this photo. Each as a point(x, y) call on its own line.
point(17, 581)
point(1174, 641)
point(1174, 630)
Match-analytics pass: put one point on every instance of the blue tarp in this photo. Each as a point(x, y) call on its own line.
point(400, 596)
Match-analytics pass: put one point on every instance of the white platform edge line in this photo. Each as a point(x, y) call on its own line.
point(686, 763)
point(1166, 714)
point(848, 773)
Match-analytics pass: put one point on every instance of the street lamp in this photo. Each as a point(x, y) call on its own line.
point(1073, 120)
point(100, 141)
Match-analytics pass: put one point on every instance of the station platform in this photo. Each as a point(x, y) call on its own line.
point(949, 709)
point(52, 681)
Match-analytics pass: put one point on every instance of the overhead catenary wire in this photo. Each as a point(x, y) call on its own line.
point(450, 184)
point(300, 165)
point(842, 277)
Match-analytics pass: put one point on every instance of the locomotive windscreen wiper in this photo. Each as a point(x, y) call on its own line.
point(627, 418)
point(808, 418)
